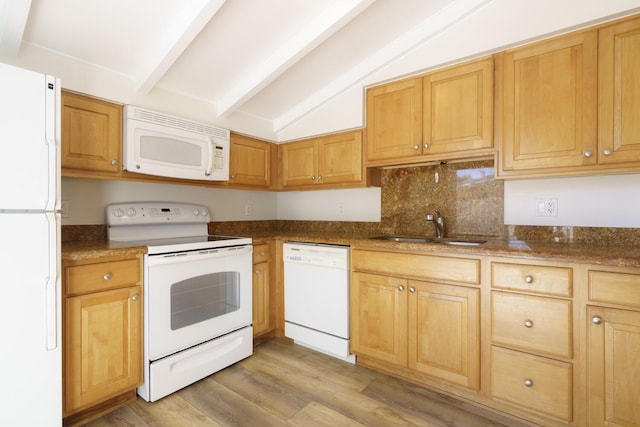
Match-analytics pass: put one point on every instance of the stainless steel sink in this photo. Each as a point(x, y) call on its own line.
point(407, 239)
point(415, 239)
point(460, 242)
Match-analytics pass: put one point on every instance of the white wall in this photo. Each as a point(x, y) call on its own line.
point(592, 201)
point(86, 200)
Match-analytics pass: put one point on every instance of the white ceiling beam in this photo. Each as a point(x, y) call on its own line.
point(187, 27)
point(402, 45)
point(13, 20)
point(320, 29)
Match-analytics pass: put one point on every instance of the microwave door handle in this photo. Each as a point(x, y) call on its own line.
point(211, 158)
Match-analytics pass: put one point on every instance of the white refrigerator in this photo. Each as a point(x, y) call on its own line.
point(30, 301)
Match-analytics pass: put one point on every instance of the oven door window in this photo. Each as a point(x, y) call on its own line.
point(205, 297)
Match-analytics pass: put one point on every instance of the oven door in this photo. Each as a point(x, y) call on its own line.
point(195, 296)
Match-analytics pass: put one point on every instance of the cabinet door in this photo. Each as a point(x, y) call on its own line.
point(250, 161)
point(550, 104)
point(299, 163)
point(340, 158)
point(614, 367)
point(458, 108)
point(91, 134)
point(619, 93)
point(260, 298)
point(103, 346)
point(394, 120)
point(444, 332)
point(379, 317)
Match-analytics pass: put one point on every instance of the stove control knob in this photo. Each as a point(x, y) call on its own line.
point(118, 213)
point(196, 212)
point(131, 212)
point(204, 212)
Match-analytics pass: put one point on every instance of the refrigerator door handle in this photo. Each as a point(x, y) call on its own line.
point(52, 140)
point(51, 283)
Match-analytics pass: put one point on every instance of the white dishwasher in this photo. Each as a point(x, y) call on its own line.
point(316, 297)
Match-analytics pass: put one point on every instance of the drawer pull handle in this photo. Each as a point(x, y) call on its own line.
point(400, 288)
point(107, 276)
point(412, 289)
point(262, 253)
point(596, 320)
point(528, 279)
point(135, 297)
point(528, 383)
point(528, 323)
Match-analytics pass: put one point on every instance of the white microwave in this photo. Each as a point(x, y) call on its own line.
point(164, 145)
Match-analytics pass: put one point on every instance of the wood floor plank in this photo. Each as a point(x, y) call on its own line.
point(172, 410)
point(260, 389)
point(227, 407)
point(123, 417)
point(317, 415)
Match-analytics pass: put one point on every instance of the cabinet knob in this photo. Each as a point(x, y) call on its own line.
point(416, 147)
point(607, 151)
point(412, 289)
point(596, 320)
point(135, 297)
point(588, 153)
point(233, 176)
point(426, 146)
point(258, 271)
point(528, 324)
point(319, 176)
point(262, 253)
point(107, 276)
point(528, 279)
point(400, 288)
point(528, 383)
point(114, 162)
point(313, 178)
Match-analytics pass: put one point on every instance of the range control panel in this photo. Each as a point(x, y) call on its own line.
point(156, 213)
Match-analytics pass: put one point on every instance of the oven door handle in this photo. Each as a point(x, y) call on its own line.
point(199, 255)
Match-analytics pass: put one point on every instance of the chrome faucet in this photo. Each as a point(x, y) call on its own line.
point(438, 223)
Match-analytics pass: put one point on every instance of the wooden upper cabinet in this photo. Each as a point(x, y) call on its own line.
point(330, 161)
point(91, 134)
point(549, 104)
point(619, 93)
point(250, 162)
point(394, 120)
point(458, 108)
point(441, 115)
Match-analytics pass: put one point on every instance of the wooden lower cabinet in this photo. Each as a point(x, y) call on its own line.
point(102, 350)
point(425, 327)
point(263, 297)
point(613, 346)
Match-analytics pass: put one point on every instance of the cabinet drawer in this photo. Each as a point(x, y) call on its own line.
point(532, 278)
point(533, 382)
point(614, 287)
point(260, 253)
point(87, 278)
point(462, 270)
point(532, 323)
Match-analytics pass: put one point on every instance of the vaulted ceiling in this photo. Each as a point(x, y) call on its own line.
point(276, 60)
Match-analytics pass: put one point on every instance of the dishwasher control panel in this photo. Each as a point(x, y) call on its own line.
point(323, 255)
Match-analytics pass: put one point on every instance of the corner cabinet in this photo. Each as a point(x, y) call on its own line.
point(251, 162)
point(441, 115)
point(91, 134)
point(102, 324)
point(333, 161)
point(613, 346)
point(417, 315)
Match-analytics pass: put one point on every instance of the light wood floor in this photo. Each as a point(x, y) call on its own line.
point(284, 384)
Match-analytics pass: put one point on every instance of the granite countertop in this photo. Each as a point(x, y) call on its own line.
point(628, 256)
